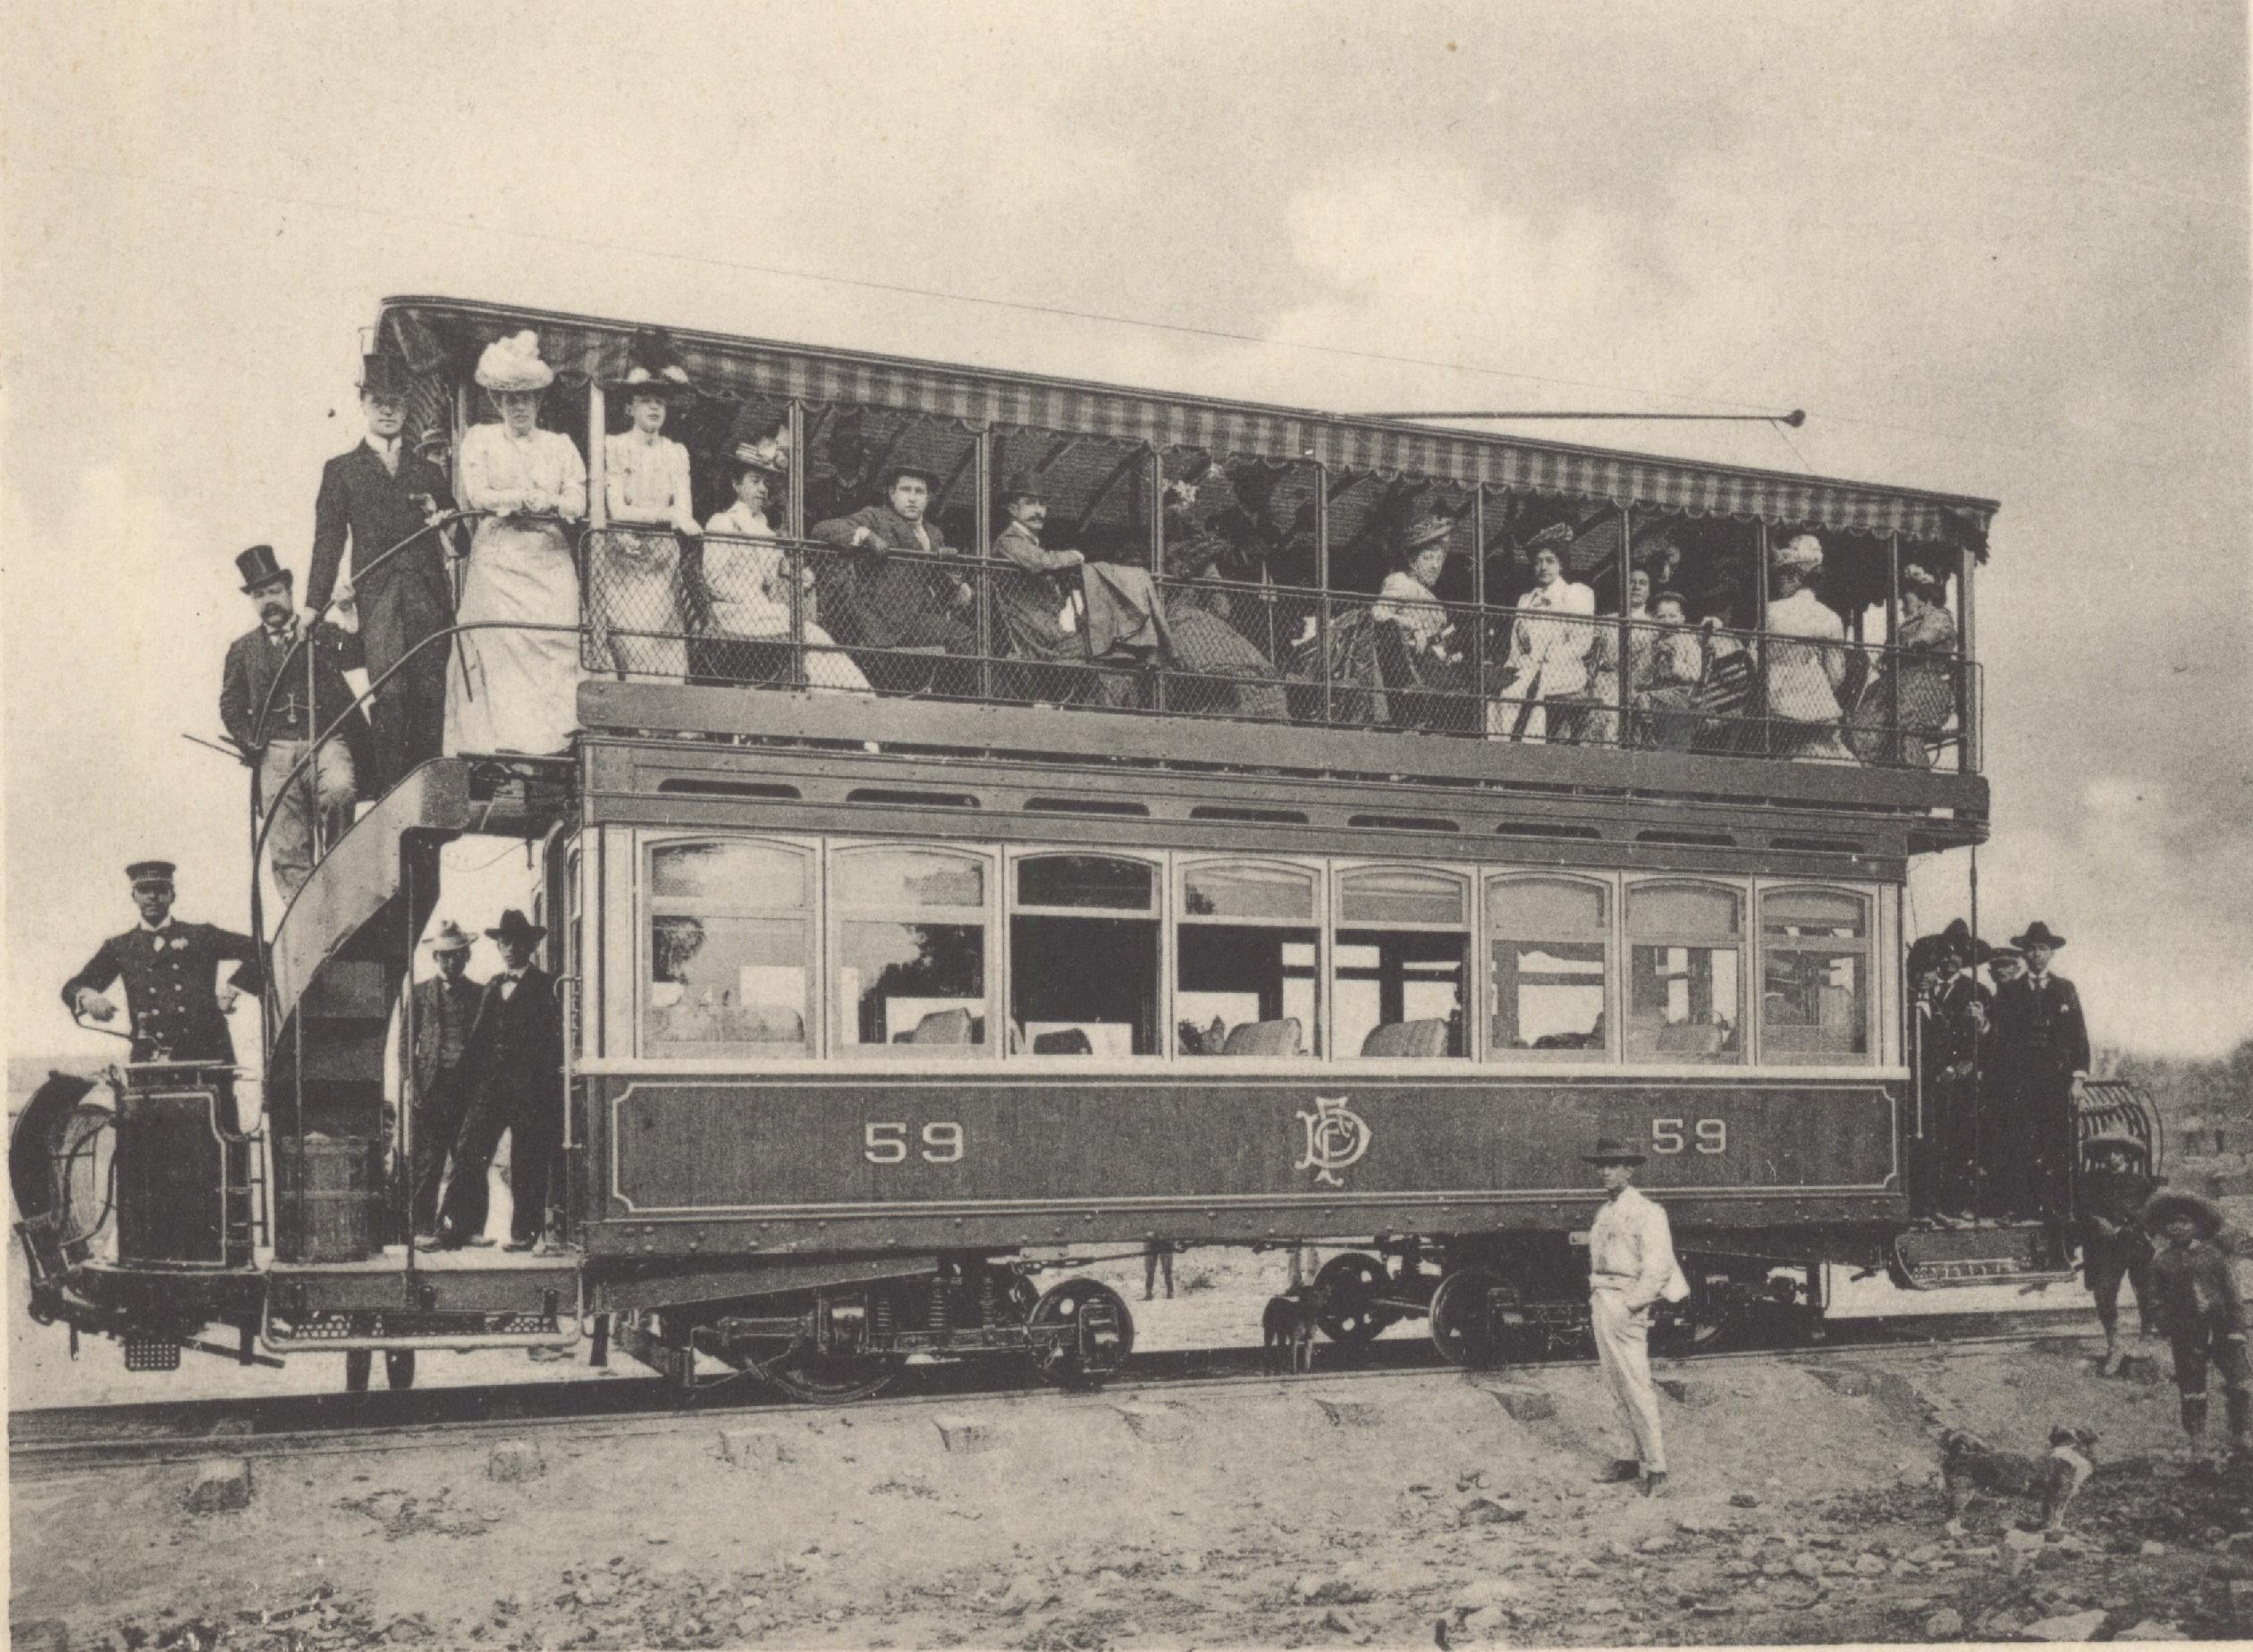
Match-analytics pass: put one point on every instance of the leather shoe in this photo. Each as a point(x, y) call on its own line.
point(1654, 1484)
point(479, 1240)
point(1622, 1472)
point(517, 1244)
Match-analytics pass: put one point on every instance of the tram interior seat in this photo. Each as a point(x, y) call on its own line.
point(1071, 1041)
point(1264, 1038)
point(942, 1026)
point(1685, 1038)
point(1417, 1039)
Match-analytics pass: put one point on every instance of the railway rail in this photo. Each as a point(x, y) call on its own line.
point(65, 1439)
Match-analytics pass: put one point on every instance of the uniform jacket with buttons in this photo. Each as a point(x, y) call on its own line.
point(170, 987)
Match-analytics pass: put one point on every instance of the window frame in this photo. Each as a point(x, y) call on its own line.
point(646, 912)
point(1316, 871)
point(1740, 889)
point(1343, 868)
point(1866, 897)
point(1162, 898)
point(836, 914)
point(1615, 985)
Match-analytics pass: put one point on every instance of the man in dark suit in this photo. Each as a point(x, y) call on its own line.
point(443, 1010)
point(2041, 1046)
point(874, 600)
point(272, 711)
point(513, 1071)
point(378, 495)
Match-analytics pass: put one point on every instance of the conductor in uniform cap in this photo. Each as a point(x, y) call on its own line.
point(178, 1012)
point(1631, 1269)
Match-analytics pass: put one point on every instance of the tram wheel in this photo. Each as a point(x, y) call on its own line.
point(1082, 1333)
point(1464, 1327)
point(399, 1368)
point(359, 1364)
point(1350, 1284)
point(826, 1378)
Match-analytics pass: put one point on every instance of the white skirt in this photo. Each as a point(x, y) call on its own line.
point(509, 690)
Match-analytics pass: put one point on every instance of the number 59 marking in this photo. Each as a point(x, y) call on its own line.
point(887, 1144)
point(1712, 1135)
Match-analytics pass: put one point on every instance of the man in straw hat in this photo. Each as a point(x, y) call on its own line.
point(2041, 1050)
point(1804, 677)
point(2114, 1192)
point(443, 1009)
point(1631, 1269)
point(274, 706)
point(513, 1071)
point(383, 497)
point(2195, 1293)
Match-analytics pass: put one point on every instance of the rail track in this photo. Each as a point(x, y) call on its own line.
point(64, 1440)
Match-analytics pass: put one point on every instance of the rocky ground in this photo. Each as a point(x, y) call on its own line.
point(1346, 1508)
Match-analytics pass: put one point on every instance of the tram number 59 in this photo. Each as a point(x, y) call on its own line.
point(1710, 1135)
point(887, 1144)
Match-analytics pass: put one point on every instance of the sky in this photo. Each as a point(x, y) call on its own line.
point(1997, 249)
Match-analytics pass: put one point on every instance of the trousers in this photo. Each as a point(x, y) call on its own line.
point(534, 1130)
point(324, 791)
point(437, 1122)
point(1623, 1354)
point(2196, 1345)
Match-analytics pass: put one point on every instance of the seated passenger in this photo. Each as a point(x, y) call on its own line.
point(881, 602)
point(1420, 627)
point(1804, 678)
point(1666, 704)
point(1237, 679)
point(745, 588)
point(1042, 610)
point(1545, 677)
point(633, 576)
point(1923, 663)
point(513, 682)
point(1603, 655)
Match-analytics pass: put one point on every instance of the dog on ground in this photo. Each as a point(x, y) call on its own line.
point(1286, 1330)
point(1971, 1468)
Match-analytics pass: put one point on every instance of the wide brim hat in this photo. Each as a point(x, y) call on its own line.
point(1801, 551)
point(2170, 1204)
point(259, 565)
point(449, 937)
point(666, 383)
point(382, 373)
point(2119, 1139)
point(1556, 536)
point(1424, 534)
point(151, 871)
point(2037, 934)
point(515, 926)
point(513, 364)
point(1920, 577)
point(1612, 1150)
point(892, 473)
point(1985, 953)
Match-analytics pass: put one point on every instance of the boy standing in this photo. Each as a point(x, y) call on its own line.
point(2196, 1294)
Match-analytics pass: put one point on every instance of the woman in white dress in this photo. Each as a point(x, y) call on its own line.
point(747, 586)
point(1545, 681)
point(510, 689)
point(634, 578)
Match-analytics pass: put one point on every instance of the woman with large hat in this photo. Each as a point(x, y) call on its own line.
point(633, 578)
point(1805, 673)
point(1922, 661)
point(1545, 683)
point(514, 682)
point(1422, 630)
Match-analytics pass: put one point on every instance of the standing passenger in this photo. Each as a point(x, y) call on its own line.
point(1631, 1269)
point(513, 1067)
point(634, 581)
point(2041, 1031)
point(1804, 678)
point(380, 496)
point(444, 1007)
point(2194, 1288)
point(514, 682)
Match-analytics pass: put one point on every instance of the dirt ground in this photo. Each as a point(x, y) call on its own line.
point(1405, 1509)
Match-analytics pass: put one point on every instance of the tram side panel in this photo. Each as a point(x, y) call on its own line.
point(704, 1167)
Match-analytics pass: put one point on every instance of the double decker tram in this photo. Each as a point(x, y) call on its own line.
point(1219, 890)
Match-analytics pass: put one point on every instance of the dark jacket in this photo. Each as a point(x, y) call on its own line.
point(431, 1008)
point(171, 989)
point(514, 1060)
point(2040, 1031)
point(263, 694)
point(361, 500)
point(1959, 1030)
point(2195, 1287)
point(886, 602)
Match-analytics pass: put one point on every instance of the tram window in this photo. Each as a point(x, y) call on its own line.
point(1815, 976)
point(1247, 960)
point(911, 951)
point(1549, 939)
point(1084, 971)
point(1402, 960)
point(730, 950)
point(1686, 998)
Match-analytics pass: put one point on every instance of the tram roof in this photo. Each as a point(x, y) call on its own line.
point(432, 332)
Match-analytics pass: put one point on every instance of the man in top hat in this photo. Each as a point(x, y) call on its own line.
point(2194, 1293)
point(376, 496)
point(1804, 677)
point(273, 705)
point(441, 1009)
point(1043, 615)
point(1631, 1269)
point(886, 602)
point(178, 1012)
point(512, 1072)
point(2114, 1192)
point(2041, 1056)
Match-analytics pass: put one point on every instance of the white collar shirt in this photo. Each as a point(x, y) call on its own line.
point(1631, 1249)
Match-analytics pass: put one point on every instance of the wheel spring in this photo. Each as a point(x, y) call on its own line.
point(989, 1297)
point(881, 1315)
point(941, 1312)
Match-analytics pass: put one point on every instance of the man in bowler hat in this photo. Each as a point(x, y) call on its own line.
point(444, 1009)
point(880, 601)
point(1631, 1269)
point(2041, 1048)
point(512, 1069)
point(274, 705)
point(377, 496)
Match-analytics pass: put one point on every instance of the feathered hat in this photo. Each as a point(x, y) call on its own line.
point(513, 362)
